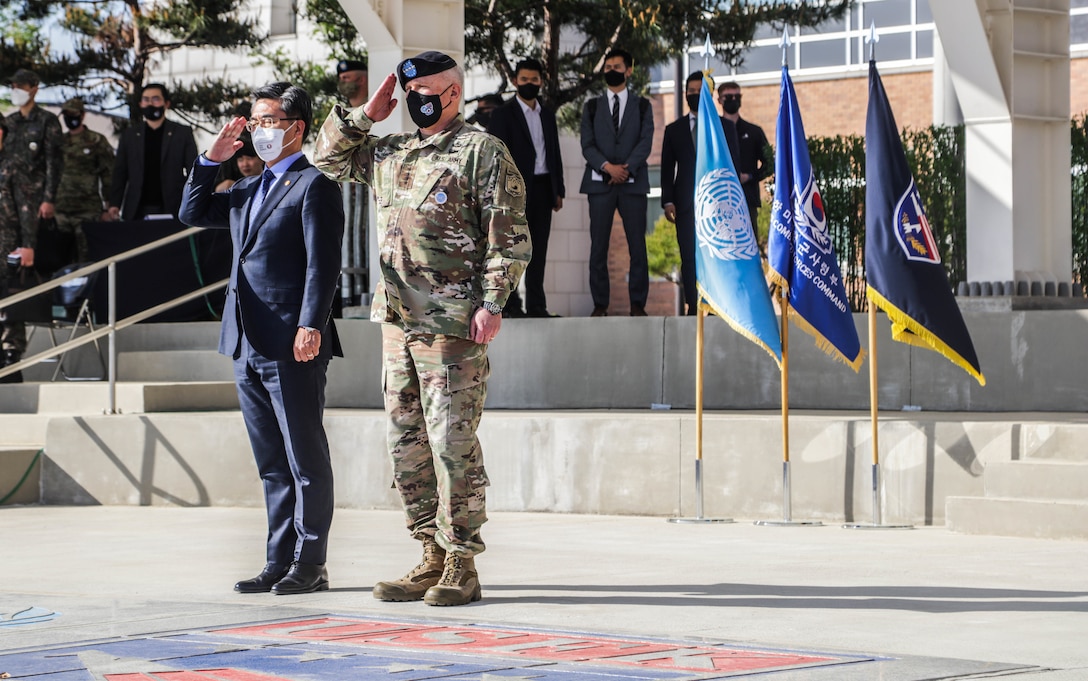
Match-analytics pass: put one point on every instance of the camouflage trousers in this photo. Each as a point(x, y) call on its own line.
point(72, 223)
point(434, 388)
point(12, 334)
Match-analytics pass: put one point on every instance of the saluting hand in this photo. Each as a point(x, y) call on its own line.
point(383, 101)
point(226, 142)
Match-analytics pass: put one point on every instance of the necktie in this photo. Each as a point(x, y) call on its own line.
point(616, 112)
point(267, 178)
point(695, 131)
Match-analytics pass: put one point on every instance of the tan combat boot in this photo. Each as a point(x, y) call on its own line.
point(459, 584)
point(412, 586)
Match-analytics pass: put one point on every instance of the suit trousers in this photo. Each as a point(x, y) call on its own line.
point(283, 404)
point(602, 209)
point(685, 239)
point(538, 213)
point(434, 388)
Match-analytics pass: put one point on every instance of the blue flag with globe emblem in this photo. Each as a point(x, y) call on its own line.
point(727, 263)
point(800, 251)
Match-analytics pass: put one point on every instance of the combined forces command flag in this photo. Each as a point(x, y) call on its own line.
point(905, 277)
point(729, 269)
point(800, 251)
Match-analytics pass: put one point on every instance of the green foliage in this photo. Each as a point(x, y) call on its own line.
point(662, 250)
point(1079, 164)
point(838, 163)
point(500, 32)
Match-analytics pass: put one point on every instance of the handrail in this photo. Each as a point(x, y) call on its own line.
point(113, 324)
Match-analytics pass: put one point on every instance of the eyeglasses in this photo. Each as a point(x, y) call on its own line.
point(266, 122)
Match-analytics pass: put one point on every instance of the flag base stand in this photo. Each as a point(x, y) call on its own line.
point(876, 524)
point(787, 509)
point(699, 519)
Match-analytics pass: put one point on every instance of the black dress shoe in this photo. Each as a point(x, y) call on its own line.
point(541, 314)
point(638, 310)
point(302, 578)
point(262, 583)
point(599, 311)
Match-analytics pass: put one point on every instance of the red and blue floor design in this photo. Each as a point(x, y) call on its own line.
point(351, 648)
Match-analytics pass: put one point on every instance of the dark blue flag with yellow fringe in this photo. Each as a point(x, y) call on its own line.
point(905, 277)
point(800, 251)
point(729, 269)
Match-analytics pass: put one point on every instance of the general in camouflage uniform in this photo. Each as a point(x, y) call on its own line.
point(455, 244)
point(84, 189)
point(30, 169)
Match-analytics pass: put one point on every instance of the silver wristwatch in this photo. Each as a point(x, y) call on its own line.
point(491, 307)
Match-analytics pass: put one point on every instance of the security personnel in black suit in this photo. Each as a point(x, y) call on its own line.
point(152, 161)
point(529, 130)
point(750, 155)
point(678, 182)
point(287, 226)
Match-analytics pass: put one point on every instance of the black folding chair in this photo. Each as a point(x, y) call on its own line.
point(73, 309)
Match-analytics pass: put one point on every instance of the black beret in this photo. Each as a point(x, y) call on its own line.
point(350, 65)
point(423, 64)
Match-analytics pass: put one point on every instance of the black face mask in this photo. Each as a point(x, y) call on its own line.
point(425, 110)
point(730, 106)
point(693, 103)
point(73, 122)
point(153, 113)
point(481, 117)
point(528, 91)
point(614, 78)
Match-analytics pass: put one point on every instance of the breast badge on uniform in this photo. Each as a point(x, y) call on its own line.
point(440, 197)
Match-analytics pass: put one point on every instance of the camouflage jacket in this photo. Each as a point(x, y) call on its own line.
point(32, 150)
point(88, 166)
point(451, 210)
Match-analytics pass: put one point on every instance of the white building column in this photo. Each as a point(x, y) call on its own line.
point(1009, 64)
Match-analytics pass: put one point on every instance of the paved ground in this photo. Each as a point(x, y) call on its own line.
point(139, 594)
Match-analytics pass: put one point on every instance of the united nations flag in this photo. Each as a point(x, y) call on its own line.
point(727, 263)
point(903, 269)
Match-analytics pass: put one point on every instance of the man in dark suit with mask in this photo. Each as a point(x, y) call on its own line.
point(529, 130)
point(617, 134)
point(152, 161)
point(750, 152)
point(287, 226)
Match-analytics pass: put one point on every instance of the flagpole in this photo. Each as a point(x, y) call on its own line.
point(873, 422)
point(787, 505)
point(699, 335)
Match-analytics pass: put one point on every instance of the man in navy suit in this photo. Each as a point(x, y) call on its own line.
point(678, 182)
point(617, 134)
point(287, 226)
point(529, 130)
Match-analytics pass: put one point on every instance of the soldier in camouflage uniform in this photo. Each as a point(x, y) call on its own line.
point(30, 169)
point(83, 195)
point(452, 205)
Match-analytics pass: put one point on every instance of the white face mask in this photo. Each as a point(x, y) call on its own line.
point(269, 142)
point(19, 97)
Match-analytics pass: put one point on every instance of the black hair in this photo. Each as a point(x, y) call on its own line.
point(529, 65)
point(628, 60)
point(159, 86)
point(694, 77)
point(294, 101)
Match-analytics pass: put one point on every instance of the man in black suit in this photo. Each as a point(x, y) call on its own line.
point(750, 154)
point(617, 134)
point(529, 130)
point(678, 183)
point(287, 226)
point(152, 161)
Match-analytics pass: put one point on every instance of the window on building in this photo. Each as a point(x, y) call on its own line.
point(283, 17)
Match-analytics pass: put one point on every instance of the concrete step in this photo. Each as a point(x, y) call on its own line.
point(1044, 519)
point(132, 397)
point(1054, 441)
point(23, 429)
point(20, 475)
point(174, 365)
point(1051, 480)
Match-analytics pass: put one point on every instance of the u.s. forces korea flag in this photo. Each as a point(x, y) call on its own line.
point(727, 262)
point(799, 248)
point(903, 269)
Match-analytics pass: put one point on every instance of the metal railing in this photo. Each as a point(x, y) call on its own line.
point(113, 324)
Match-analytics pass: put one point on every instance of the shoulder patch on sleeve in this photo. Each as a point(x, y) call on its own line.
point(515, 186)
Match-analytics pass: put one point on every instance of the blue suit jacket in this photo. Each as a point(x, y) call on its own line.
point(631, 145)
point(284, 272)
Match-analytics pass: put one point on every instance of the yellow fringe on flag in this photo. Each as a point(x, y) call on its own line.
point(711, 306)
point(906, 330)
point(822, 343)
